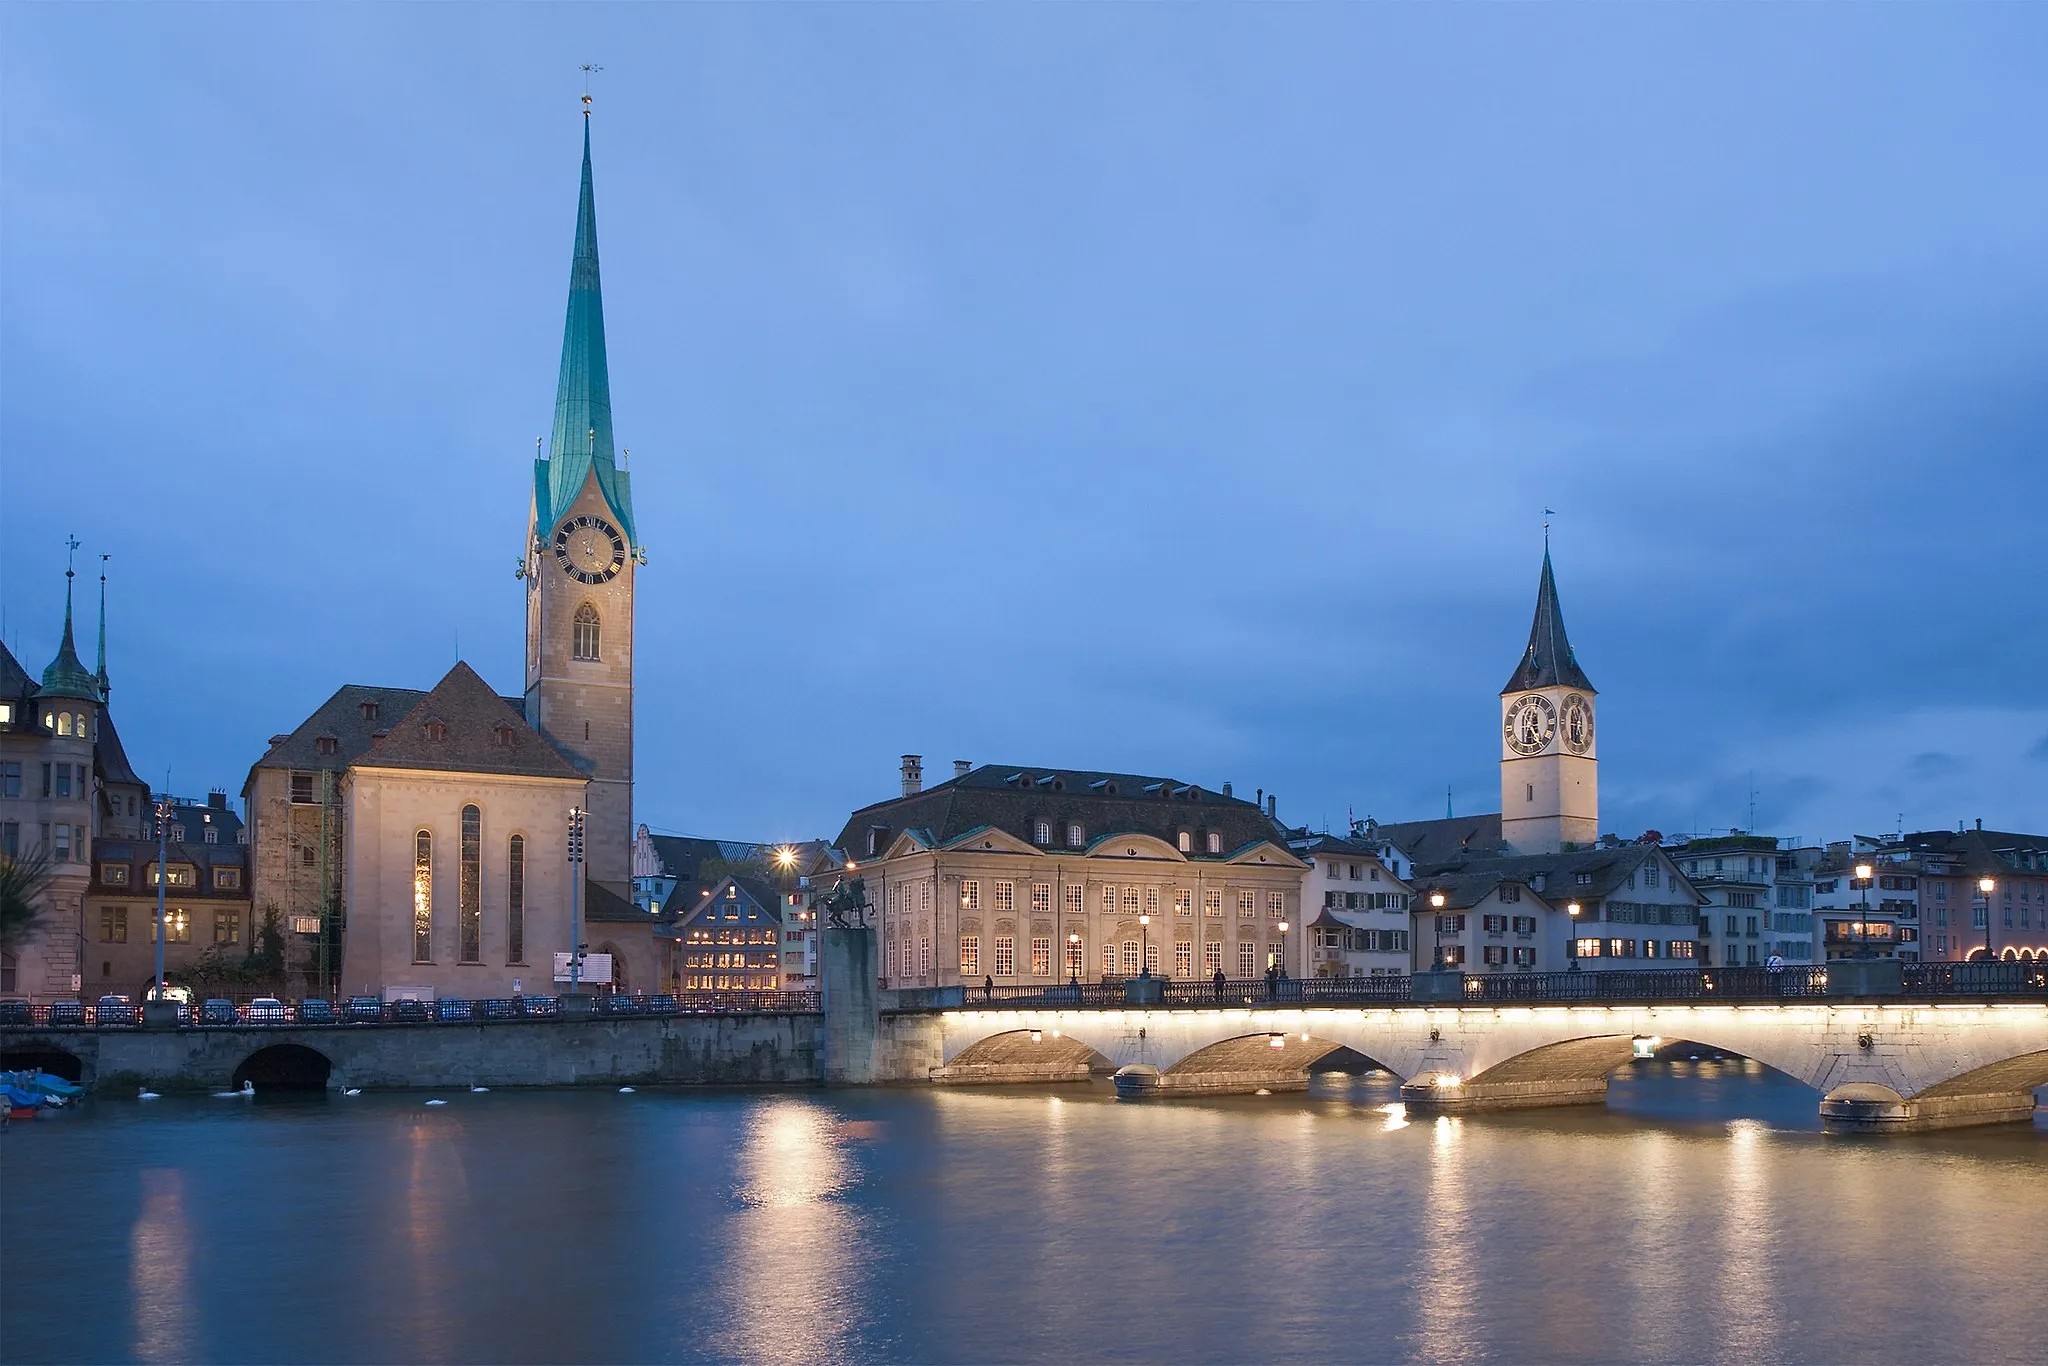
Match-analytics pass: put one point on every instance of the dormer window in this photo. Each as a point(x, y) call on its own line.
point(1041, 832)
point(1075, 835)
point(436, 730)
point(368, 709)
point(177, 833)
point(1215, 842)
point(327, 744)
point(503, 736)
point(1187, 842)
point(213, 834)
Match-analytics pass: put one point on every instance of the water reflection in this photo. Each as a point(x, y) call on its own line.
point(158, 1248)
point(790, 1265)
point(1449, 1279)
point(1701, 1214)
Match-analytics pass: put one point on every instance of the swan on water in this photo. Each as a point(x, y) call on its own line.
point(437, 1102)
point(478, 1090)
point(625, 1090)
point(147, 1094)
point(353, 1091)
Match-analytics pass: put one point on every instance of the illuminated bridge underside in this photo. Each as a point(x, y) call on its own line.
point(1902, 1066)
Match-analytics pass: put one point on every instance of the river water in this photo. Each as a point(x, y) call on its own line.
point(1701, 1216)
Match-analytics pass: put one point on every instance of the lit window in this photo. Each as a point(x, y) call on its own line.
point(1074, 892)
point(1247, 959)
point(1187, 842)
point(1212, 957)
point(585, 633)
point(1006, 956)
point(970, 894)
point(1183, 958)
point(1212, 902)
point(1215, 842)
point(422, 897)
point(1041, 898)
point(1276, 905)
point(970, 955)
point(227, 927)
point(469, 907)
point(1247, 904)
point(1041, 957)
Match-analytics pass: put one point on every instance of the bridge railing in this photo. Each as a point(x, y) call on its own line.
point(361, 1012)
point(1739, 985)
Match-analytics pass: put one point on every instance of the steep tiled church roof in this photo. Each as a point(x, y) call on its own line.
point(461, 726)
point(1548, 662)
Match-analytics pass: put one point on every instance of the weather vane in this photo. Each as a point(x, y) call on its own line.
point(588, 70)
point(71, 544)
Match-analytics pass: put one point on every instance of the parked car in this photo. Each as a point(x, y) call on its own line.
point(452, 1010)
point(498, 1009)
point(315, 1011)
point(363, 1010)
point(67, 1014)
point(538, 1007)
point(114, 1012)
point(663, 1004)
point(410, 1012)
point(265, 1010)
point(217, 1011)
point(17, 1013)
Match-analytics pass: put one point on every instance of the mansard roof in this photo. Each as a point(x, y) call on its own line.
point(1548, 662)
point(1012, 798)
point(112, 756)
point(15, 683)
point(461, 726)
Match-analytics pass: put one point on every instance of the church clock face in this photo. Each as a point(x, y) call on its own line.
point(1530, 724)
point(590, 549)
point(1577, 724)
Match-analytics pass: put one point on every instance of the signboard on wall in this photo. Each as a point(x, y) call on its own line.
point(597, 968)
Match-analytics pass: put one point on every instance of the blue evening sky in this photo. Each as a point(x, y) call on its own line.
point(1172, 389)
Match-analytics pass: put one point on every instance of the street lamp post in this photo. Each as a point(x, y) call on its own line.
point(1283, 949)
point(1145, 946)
point(1572, 928)
point(1986, 886)
point(1436, 903)
point(1074, 960)
point(576, 815)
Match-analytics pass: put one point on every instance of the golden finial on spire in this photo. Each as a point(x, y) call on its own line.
point(588, 69)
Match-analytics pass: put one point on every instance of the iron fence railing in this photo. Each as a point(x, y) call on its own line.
point(361, 1011)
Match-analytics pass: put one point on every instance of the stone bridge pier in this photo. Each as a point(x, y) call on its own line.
point(1878, 1066)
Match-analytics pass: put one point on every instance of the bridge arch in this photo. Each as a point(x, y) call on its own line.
point(42, 1056)
point(285, 1067)
point(1023, 1055)
point(1272, 1059)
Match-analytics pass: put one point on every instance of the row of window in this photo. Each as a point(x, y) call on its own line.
point(227, 925)
point(468, 893)
point(1370, 901)
point(1363, 941)
point(76, 723)
point(59, 780)
point(706, 981)
point(1125, 900)
point(178, 875)
point(1368, 872)
point(1128, 957)
point(1630, 948)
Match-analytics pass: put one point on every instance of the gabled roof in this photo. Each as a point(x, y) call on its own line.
point(1012, 798)
point(1439, 841)
point(478, 734)
point(1548, 662)
point(601, 905)
point(1608, 870)
point(762, 899)
point(582, 438)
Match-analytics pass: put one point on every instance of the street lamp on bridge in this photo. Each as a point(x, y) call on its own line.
point(1986, 886)
point(1572, 928)
point(1074, 960)
point(1436, 904)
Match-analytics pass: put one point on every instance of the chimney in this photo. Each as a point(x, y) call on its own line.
point(913, 774)
point(1259, 796)
point(1272, 807)
point(1980, 822)
point(961, 768)
point(1226, 789)
point(217, 799)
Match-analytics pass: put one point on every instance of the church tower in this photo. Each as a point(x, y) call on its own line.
point(1549, 768)
point(581, 556)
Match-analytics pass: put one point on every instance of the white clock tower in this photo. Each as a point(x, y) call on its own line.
point(1549, 766)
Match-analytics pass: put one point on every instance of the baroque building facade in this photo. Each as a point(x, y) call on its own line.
point(1034, 875)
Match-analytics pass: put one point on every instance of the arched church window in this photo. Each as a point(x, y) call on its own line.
point(515, 901)
point(469, 892)
point(585, 633)
point(423, 897)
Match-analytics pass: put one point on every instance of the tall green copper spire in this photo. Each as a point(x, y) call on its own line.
point(66, 676)
point(582, 438)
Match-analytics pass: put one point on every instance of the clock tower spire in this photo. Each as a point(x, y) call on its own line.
point(581, 556)
point(1549, 767)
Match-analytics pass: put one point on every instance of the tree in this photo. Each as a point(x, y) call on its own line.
point(23, 880)
point(265, 964)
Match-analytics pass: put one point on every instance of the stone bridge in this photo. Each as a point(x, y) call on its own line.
point(727, 1049)
point(1898, 1065)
